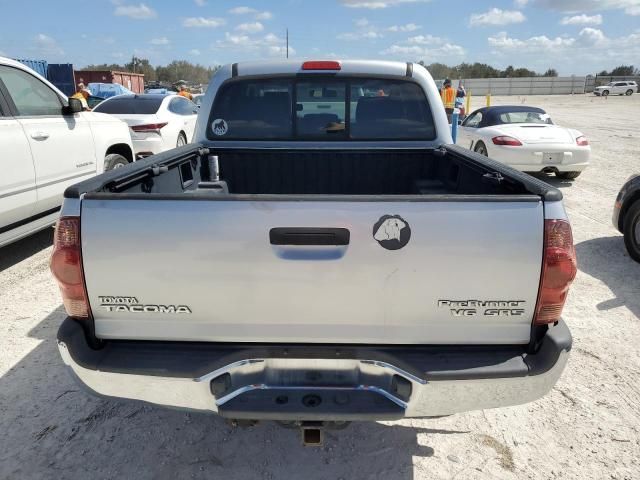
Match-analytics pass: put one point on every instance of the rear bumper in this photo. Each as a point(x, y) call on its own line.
point(316, 382)
point(531, 157)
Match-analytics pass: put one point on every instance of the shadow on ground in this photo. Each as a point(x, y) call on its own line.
point(551, 179)
point(53, 429)
point(23, 249)
point(606, 259)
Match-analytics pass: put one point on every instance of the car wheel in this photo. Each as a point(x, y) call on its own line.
point(631, 231)
point(481, 149)
point(114, 160)
point(605, 93)
point(568, 175)
point(628, 92)
point(182, 140)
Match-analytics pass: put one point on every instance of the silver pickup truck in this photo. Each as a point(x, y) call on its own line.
point(322, 253)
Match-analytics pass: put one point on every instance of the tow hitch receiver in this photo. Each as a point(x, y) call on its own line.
point(312, 434)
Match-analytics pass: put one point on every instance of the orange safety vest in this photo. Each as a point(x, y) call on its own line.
point(185, 94)
point(449, 97)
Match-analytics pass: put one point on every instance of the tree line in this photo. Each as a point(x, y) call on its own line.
point(622, 70)
point(171, 73)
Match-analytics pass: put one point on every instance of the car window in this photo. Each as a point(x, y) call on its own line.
point(525, 117)
point(327, 108)
point(131, 105)
point(30, 95)
point(320, 109)
point(473, 120)
point(389, 110)
point(259, 109)
point(182, 106)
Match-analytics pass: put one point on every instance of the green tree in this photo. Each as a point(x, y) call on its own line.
point(623, 70)
point(141, 65)
point(551, 72)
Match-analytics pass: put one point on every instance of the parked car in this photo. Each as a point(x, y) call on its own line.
point(47, 143)
point(327, 259)
point(616, 88)
point(526, 139)
point(626, 215)
point(197, 99)
point(157, 122)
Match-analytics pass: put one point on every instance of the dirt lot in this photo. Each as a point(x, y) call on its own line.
point(587, 427)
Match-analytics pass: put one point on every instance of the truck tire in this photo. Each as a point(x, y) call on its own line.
point(631, 231)
point(628, 92)
point(568, 175)
point(182, 140)
point(605, 93)
point(481, 149)
point(114, 160)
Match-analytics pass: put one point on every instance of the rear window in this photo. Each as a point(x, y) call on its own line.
point(130, 105)
point(525, 117)
point(321, 108)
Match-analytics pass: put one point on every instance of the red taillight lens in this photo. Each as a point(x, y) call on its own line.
point(150, 127)
point(66, 266)
point(321, 65)
point(559, 268)
point(506, 140)
point(582, 141)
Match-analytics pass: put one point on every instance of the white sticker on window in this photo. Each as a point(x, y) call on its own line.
point(219, 127)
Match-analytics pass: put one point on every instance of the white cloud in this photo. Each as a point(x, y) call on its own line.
point(202, 22)
point(589, 51)
point(426, 47)
point(409, 27)
point(520, 3)
point(194, 52)
point(366, 35)
point(582, 20)
point(376, 4)
point(160, 41)
point(269, 44)
point(496, 16)
point(242, 10)
point(255, 27)
point(137, 12)
point(361, 22)
point(540, 43)
point(45, 45)
point(200, 3)
point(630, 7)
point(251, 11)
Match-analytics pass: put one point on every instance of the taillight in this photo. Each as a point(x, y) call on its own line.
point(149, 127)
point(321, 65)
point(66, 266)
point(582, 141)
point(559, 268)
point(506, 140)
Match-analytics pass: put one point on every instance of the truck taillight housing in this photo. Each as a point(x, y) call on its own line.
point(66, 266)
point(559, 268)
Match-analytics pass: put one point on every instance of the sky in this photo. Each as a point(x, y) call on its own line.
point(573, 36)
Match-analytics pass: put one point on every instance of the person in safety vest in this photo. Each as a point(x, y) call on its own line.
point(183, 92)
point(83, 95)
point(448, 94)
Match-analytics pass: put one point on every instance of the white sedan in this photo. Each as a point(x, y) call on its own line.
point(157, 122)
point(526, 139)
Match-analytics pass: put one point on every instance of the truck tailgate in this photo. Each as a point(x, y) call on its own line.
point(215, 270)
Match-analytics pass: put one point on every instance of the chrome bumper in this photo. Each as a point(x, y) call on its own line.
point(341, 389)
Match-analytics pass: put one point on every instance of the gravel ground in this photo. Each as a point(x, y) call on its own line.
point(587, 427)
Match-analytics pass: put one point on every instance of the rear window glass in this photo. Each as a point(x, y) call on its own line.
point(130, 105)
point(253, 110)
point(389, 110)
point(325, 108)
point(525, 117)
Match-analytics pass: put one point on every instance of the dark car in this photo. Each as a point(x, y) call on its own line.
point(626, 215)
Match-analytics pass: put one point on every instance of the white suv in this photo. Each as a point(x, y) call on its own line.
point(617, 88)
point(47, 143)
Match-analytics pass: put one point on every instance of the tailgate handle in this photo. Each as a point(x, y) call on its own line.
point(309, 236)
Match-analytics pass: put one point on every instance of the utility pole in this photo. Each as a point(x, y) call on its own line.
point(287, 43)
